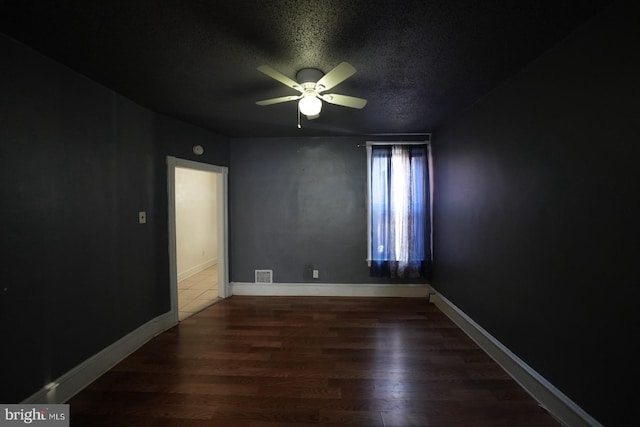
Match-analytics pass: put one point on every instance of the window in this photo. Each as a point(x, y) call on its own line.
point(399, 229)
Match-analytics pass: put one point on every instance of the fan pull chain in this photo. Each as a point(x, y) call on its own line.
point(299, 127)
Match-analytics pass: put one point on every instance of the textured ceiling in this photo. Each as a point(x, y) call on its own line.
point(418, 63)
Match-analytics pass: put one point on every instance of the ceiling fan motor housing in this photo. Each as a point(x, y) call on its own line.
point(309, 75)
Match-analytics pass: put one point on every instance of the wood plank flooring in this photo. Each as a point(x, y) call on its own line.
point(309, 361)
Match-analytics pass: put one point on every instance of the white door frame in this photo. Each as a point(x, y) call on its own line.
point(223, 232)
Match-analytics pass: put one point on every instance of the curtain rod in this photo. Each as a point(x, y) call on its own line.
point(370, 143)
point(425, 134)
point(401, 134)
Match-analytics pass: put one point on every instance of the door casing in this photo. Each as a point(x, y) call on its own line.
point(223, 232)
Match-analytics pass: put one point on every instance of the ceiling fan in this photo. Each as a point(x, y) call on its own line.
point(311, 83)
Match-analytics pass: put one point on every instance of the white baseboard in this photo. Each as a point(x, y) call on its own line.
point(196, 269)
point(70, 383)
point(329, 289)
point(548, 396)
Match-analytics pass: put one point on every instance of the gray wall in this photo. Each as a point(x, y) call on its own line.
point(298, 204)
point(78, 163)
point(536, 214)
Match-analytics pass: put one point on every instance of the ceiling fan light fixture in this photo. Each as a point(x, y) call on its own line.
point(310, 105)
point(311, 84)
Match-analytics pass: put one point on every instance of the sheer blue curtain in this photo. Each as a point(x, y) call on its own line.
point(400, 225)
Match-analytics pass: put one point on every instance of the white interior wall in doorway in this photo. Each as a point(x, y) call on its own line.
point(196, 221)
point(222, 224)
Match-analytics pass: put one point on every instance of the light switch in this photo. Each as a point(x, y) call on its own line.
point(142, 217)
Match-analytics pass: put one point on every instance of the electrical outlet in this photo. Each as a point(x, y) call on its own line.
point(316, 274)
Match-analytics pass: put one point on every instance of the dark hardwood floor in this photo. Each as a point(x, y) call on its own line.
point(304, 361)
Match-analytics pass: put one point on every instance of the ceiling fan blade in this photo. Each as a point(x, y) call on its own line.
point(340, 73)
point(278, 100)
point(277, 75)
point(344, 100)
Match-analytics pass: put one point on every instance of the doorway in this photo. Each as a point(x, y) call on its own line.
point(197, 235)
